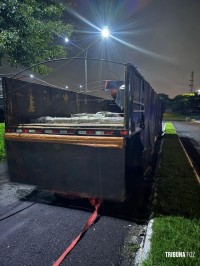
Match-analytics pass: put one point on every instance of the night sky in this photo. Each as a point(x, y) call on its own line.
point(160, 37)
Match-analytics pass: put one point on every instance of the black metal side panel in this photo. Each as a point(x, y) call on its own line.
point(152, 120)
point(25, 101)
point(72, 169)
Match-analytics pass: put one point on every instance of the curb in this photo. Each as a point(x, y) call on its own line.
point(189, 160)
point(145, 246)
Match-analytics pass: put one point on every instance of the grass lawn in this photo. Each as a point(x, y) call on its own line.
point(174, 234)
point(176, 208)
point(2, 146)
point(178, 117)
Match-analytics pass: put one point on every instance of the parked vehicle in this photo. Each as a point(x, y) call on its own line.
point(80, 143)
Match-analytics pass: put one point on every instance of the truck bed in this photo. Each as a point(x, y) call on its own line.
point(71, 125)
point(103, 120)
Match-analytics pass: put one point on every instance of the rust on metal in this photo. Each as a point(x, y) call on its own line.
point(106, 142)
point(31, 108)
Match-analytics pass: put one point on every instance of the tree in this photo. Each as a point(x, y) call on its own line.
point(164, 97)
point(30, 30)
point(188, 104)
point(166, 100)
point(179, 103)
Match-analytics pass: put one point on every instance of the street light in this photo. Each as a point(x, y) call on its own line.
point(105, 33)
point(66, 39)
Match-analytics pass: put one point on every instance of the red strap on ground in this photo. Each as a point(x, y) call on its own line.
point(96, 203)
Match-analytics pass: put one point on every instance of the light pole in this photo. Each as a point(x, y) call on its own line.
point(105, 33)
point(86, 76)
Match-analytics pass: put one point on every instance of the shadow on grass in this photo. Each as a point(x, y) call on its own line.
point(177, 191)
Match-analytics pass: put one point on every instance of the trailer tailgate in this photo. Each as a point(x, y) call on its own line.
point(83, 166)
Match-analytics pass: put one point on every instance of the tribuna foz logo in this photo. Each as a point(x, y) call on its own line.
point(179, 254)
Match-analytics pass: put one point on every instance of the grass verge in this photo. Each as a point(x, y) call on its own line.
point(178, 117)
point(176, 209)
point(2, 145)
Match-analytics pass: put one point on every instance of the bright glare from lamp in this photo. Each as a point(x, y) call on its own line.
point(66, 39)
point(105, 32)
point(31, 76)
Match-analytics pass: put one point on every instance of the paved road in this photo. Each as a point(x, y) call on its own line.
point(189, 130)
point(35, 229)
point(189, 134)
